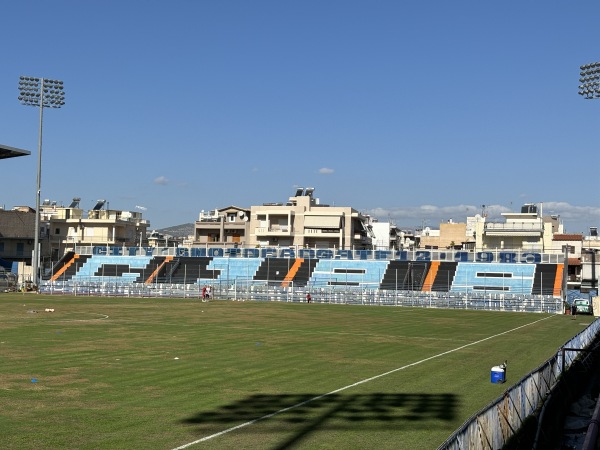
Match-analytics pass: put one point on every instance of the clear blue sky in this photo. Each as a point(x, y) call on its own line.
point(415, 111)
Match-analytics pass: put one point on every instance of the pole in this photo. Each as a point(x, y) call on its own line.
point(590, 89)
point(32, 93)
point(565, 286)
point(593, 252)
point(36, 250)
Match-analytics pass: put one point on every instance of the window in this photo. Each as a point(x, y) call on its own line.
point(20, 249)
point(569, 248)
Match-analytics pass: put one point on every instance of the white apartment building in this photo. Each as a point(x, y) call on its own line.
point(526, 230)
point(300, 222)
point(304, 222)
point(70, 225)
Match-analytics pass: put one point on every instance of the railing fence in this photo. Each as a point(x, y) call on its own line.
point(248, 289)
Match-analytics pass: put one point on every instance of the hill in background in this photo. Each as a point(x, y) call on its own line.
point(179, 231)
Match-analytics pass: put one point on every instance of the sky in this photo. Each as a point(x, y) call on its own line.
point(412, 112)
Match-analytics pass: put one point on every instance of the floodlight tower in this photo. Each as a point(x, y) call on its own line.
point(590, 88)
point(590, 80)
point(43, 93)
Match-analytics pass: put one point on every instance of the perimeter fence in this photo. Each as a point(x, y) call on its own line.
point(252, 290)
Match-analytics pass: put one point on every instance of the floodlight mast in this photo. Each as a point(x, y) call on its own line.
point(43, 93)
point(590, 80)
point(590, 88)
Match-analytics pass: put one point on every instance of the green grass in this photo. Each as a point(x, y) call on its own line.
point(133, 373)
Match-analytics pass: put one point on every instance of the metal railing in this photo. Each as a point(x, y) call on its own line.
point(253, 290)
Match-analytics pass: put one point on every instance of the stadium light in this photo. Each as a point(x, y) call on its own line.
point(590, 88)
point(590, 80)
point(43, 93)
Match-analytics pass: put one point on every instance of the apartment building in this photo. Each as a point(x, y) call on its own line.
point(99, 226)
point(17, 232)
point(451, 235)
point(225, 227)
point(300, 222)
point(526, 230)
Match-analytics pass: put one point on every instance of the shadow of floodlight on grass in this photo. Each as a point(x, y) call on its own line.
point(335, 411)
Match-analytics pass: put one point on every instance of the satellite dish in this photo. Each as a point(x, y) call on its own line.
point(245, 219)
point(241, 214)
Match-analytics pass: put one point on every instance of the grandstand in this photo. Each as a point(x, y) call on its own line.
point(333, 274)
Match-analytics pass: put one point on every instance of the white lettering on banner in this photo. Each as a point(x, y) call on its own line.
point(308, 253)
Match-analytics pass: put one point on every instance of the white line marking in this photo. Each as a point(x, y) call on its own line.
point(366, 380)
point(102, 317)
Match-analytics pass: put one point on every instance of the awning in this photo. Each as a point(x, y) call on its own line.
point(11, 152)
point(322, 222)
point(513, 233)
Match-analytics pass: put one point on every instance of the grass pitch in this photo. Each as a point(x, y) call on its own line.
point(131, 373)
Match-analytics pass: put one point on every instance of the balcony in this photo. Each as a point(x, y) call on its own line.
point(362, 238)
point(322, 232)
point(275, 230)
point(514, 229)
point(209, 219)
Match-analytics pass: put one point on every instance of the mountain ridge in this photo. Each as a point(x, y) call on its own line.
point(178, 231)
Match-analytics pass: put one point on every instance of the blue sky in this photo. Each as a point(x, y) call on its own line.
point(418, 112)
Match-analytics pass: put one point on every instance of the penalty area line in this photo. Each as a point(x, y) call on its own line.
point(358, 383)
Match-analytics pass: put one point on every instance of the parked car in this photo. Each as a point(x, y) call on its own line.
point(583, 306)
point(8, 282)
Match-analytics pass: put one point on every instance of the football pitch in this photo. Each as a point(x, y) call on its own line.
point(140, 373)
